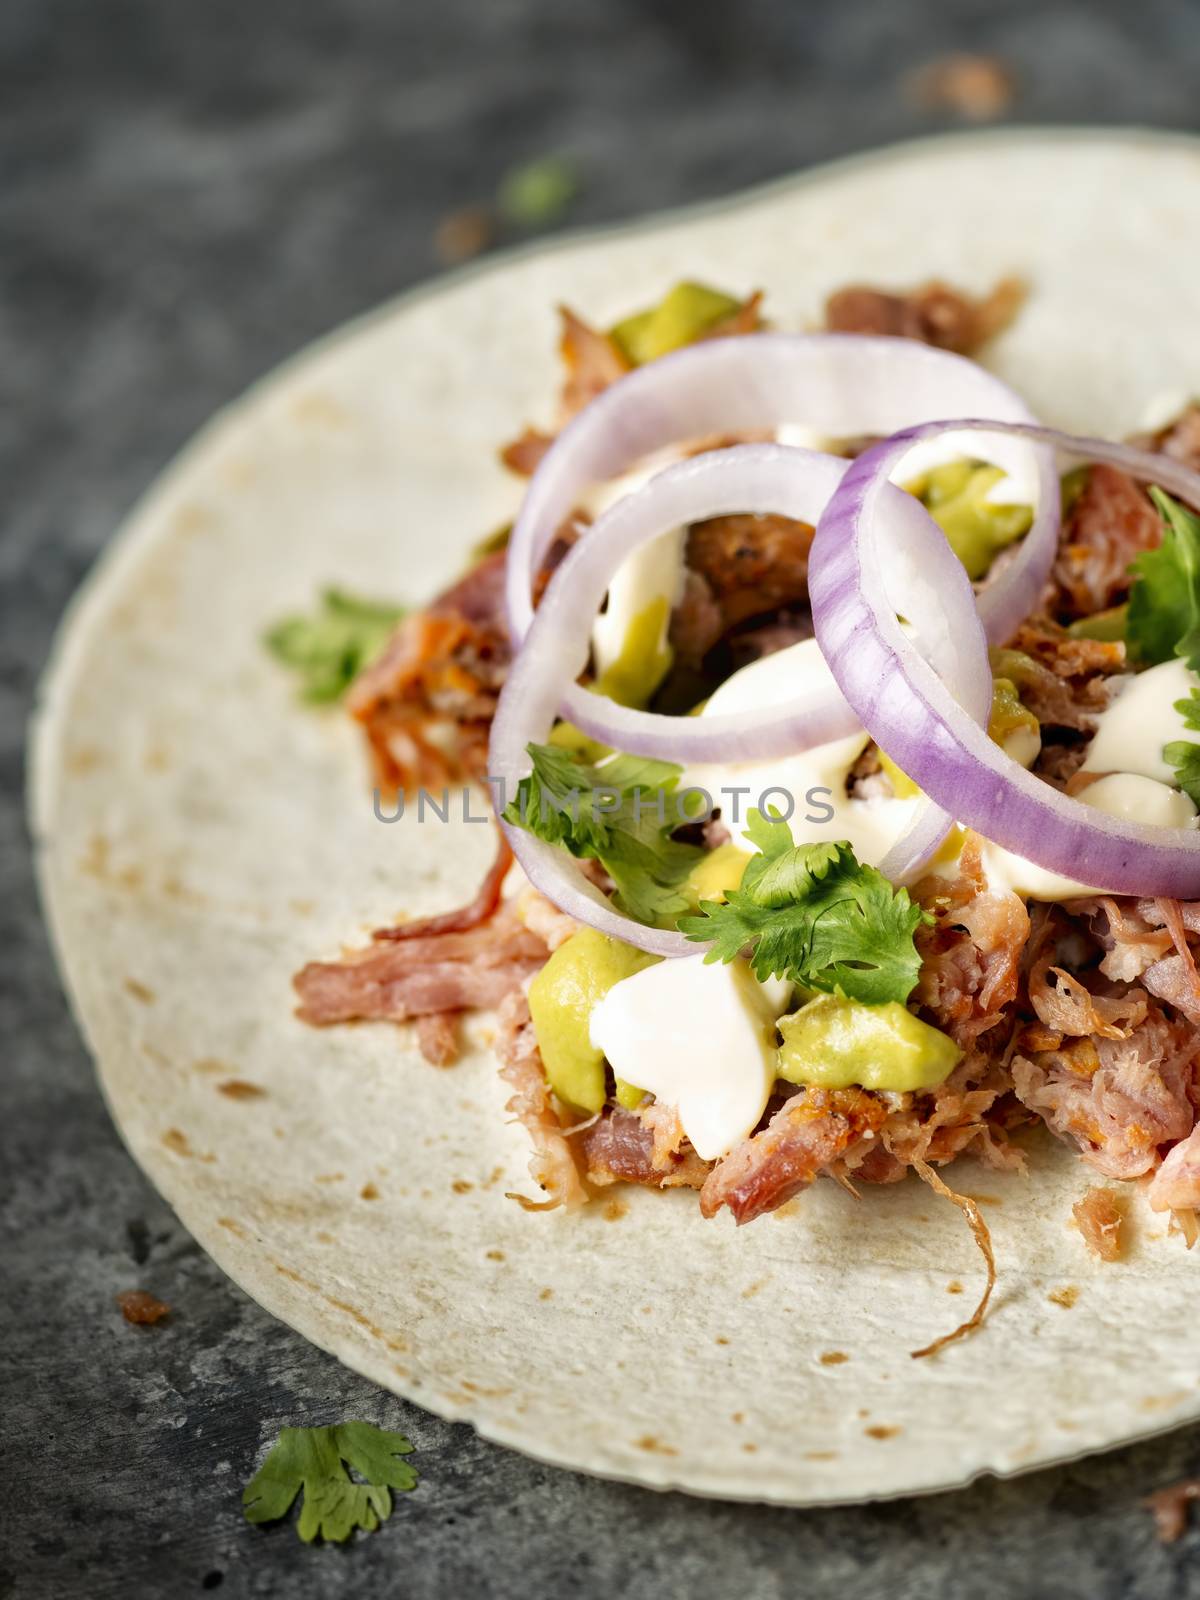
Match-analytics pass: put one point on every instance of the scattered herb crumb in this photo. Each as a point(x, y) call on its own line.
point(538, 193)
point(315, 1461)
point(464, 234)
point(976, 87)
point(328, 651)
point(139, 1307)
point(1170, 1507)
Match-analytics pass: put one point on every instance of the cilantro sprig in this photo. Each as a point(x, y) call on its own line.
point(817, 915)
point(328, 651)
point(621, 814)
point(1164, 602)
point(1164, 621)
point(1184, 754)
point(314, 1461)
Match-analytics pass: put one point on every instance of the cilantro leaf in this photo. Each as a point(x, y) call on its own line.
point(815, 914)
point(539, 192)
point(1164, 603)
point(1184, 754)
point(311, 1460)
point(330, 649)
point(622, 814)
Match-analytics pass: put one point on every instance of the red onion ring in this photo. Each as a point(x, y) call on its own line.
point(903, 703)
point(841, 384)
point(939, 607)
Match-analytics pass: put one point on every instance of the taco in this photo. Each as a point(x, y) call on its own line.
point(800, 786)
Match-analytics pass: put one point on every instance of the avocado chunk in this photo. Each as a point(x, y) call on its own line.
point(1108, 627)
point(561, 997)
point(1012, 725)
point(645, 658)
point(977, 529)
point(716, 873)
point(685, 313)
point(834, 1043)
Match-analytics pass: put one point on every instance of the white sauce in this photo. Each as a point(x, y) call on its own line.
point(1127, 746)
point(816, 779)
point(1139, 720)
point(1121, 794)
point(700, 1038)
point(653, 572)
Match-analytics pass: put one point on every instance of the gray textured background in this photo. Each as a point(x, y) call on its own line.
point(189, 192)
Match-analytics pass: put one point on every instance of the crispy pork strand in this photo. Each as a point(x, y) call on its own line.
point(398, 981)
point(809, 1132)
point(480, 909)
point(979, 1231)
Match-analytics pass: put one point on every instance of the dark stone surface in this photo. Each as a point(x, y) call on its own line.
point(188, 194)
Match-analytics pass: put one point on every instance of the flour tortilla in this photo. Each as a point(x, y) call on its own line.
point(200, 836)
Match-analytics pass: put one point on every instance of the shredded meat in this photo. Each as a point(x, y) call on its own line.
point(1180, 439)
point(469, 916)
point(1061, 679)
point(1170, 1505)
point(1117, 1099)
point(593, 360)
point(542, 916)
point(1176, 1184)
point(552, 1164)
point(739, 567)
point(395, 982)
point(640, 1147)
point(1109, 523)
point(970, 956)
point(940, 1125)
point(808, 1134)
point(1100, 1216)
point(933, 313)
point(437, 1037)
point(426, 705)
point(1067, 1006)
point(1131, 944)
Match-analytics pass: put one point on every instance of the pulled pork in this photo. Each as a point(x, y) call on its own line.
point(934, 313)
point(739, 567)
point(643, 1146)
point(553, 1161)
point(426, 977)
point(971, 955)
point(807, 1135)
point(1117, 1099)
point(426, 704)
point(1083, 1018)
point(1110, 521)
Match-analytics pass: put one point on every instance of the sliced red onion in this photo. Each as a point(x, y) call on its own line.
point(940, 612)
point(838, 384)
point(913, 714)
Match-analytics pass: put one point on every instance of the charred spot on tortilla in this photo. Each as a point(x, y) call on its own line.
point(240, 1089)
